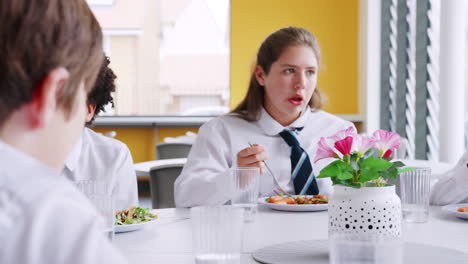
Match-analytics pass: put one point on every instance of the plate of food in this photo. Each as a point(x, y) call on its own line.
point(297, 203)
point(458, 210)
point(133, 219)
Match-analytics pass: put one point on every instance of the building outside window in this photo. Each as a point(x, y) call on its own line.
point(171, 57)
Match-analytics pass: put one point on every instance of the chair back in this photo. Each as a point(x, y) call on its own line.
point(172, 150)
point(162, 180)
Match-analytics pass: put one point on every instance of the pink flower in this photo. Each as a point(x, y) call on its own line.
point(344, 146)
point(362, 144)
point(350, 131)
point(386, 141)
point(324, 150)
point(387, 153)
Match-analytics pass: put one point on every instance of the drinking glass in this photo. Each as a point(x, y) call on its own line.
point(365, 249)
point(415, 192)
point(100, 196)
point(246, 189)
point(217, 234)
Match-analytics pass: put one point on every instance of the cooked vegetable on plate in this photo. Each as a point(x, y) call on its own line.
point(299, 199)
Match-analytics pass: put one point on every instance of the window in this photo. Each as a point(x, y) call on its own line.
point(170, 57)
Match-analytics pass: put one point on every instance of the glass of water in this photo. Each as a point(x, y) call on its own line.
point(246, 182)
point(100, 196)
point(415, 191)
point(217, 234)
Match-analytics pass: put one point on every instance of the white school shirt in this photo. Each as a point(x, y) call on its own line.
point(453, 186)
point(43, 219)
point(99, 158)
point(205, 177)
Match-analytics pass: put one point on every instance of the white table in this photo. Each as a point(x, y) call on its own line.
point(142, 169)
point(169, 239)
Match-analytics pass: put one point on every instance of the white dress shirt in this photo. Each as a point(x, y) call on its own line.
point(453, 186)
point(43, 219)
point(205, 177)
point(99, 158)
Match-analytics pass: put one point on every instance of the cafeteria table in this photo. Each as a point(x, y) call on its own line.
point(168, 239)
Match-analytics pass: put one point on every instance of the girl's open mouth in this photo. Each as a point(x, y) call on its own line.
point(296, 100)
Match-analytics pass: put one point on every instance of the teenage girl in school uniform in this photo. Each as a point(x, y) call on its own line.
point(280, 115)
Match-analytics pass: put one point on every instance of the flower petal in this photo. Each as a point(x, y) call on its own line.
point(350, 131)
point(324, 150)
point(344, 146)
point(386, 140)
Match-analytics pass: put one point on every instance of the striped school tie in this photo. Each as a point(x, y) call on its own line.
point(302, 175)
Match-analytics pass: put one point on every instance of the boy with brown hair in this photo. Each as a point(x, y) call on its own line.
point(51, 53)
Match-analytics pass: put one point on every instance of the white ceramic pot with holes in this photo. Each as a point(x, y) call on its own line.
point(367, 210)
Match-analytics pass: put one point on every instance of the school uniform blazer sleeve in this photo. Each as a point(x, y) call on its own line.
point(205, 177)
point(452, 187)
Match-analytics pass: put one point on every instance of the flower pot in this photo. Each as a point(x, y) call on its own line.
point(368, 210)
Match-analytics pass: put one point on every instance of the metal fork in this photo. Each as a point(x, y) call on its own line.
point(275, 181)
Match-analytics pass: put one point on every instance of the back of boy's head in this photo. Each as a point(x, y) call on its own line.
point(39, 36)
point(101, 93)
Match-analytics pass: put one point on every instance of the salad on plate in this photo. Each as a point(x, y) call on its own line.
point(134, 215)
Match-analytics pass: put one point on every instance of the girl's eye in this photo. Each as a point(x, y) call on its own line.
point(311, 72)
point(289, 70)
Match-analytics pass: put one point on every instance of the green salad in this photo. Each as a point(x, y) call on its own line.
point(134, 215)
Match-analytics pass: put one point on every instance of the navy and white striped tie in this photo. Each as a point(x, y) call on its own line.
point(301, 168)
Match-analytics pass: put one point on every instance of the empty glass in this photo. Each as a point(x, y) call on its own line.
point(100, 196)
point(365, 249)
point(217, 234)
point(415, 191)
point(246, 189)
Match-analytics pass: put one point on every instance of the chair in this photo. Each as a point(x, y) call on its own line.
point(172, 150)
point(162, 178)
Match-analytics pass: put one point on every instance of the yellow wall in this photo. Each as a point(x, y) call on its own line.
point(140, 141)
point(333, 22)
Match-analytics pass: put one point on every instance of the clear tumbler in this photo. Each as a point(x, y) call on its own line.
point(217, 234)
point(415, 191)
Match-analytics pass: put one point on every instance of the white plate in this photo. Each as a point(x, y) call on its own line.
point(132, 227)
point(452, 208)
point(294, 207)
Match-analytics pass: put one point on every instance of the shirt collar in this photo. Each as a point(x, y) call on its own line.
point(72, 160)
point(271, 127)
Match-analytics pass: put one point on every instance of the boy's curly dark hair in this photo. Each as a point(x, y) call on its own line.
point(104, 86)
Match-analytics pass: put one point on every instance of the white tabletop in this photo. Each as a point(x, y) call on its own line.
point(142, 169)
point(168, 240)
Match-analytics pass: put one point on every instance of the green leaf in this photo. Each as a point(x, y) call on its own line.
point(345, 175)
point(331, 170)
point(345, 171)
point(398, 164)
point(335, 180)
point(368, 174)
point(405, 170)
point(376, 164)
point(372, 152)
point(391, 173)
